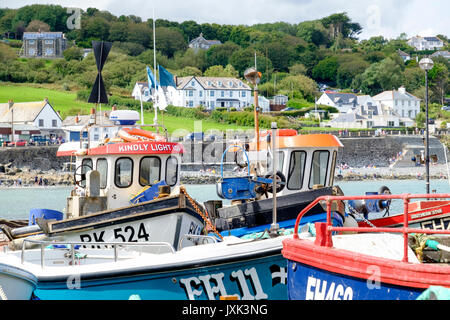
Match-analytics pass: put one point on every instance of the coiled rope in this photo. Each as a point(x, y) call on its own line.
point(197, 209)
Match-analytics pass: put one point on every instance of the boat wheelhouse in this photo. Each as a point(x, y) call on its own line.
point(126, 189)
point(304, 171)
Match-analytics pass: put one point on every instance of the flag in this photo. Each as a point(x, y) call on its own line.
point(161, 101)
point(165, 78)
point(151, 79)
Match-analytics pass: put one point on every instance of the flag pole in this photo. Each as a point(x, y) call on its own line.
point(155, 120)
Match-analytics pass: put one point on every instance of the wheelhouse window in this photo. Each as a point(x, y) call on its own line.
point(280, 155)
point(149, 171)
point(319, 168)
point(123, 176)
point(296, 170)
point(86, 166)
point(333, 168)
point(102, 168)
point(171, 171)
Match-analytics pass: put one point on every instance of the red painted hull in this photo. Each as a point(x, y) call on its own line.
point(418, 212)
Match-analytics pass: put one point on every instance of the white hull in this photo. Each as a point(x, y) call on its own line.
point(15, 284)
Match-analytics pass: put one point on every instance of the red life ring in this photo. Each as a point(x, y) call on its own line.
point(280, 133)
point(136, 134)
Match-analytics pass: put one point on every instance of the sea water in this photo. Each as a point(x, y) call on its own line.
point(16, 202)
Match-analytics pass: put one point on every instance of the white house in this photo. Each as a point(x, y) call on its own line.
point(425, 43)
point(72, 126)
point(210, 92)
point(141, 88)
point(39, 115)
point(400, 101)
point(201, 43)
point(405, 56)
point(341, 101)
point(264, 104)
point(445, 54)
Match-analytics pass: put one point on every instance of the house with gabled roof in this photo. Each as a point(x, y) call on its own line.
point(405, 56)
point(210, 92)
point(341, 101)
point(201, 43)
point(400, 101)
point(141, 89)
point(425, 43)
point(443, 53)
point(34, 116)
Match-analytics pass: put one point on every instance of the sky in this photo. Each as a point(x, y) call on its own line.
point(388, 18)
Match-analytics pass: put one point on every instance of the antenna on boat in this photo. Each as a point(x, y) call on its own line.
point(273, 231)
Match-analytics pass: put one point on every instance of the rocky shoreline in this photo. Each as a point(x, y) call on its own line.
point(26, 177)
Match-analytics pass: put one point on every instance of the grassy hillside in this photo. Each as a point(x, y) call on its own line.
point(66, 103)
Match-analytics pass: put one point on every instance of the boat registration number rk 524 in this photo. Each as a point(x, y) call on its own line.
point(129, 233)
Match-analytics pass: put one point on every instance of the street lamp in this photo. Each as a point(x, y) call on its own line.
point(253, 76)
point(426, 64)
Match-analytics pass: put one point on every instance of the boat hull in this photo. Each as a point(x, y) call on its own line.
point(15, 284)
point(309, 283)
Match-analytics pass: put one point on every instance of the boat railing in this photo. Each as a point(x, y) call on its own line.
point(325, 230)
point(71, 244)
point(198, 238)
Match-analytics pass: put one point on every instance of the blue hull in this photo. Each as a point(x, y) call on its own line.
point(255, 278)
point(309, 283)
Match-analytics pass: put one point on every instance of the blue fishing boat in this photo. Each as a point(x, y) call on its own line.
point(391, 264)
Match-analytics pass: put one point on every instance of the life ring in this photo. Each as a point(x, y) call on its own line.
point(136, 134)
point(280, 133)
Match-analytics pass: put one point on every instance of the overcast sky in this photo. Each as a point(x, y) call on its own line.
point(377, 17)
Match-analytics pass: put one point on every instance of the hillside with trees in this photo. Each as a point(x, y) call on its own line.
point(294, 58)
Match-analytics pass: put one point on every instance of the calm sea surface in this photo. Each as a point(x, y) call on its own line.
point(15, 203)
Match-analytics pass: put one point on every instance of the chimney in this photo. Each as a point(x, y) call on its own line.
point(10, 103)
point(176, 81)
point(46, 99)
point(114, 107)
point(77, 118)
point(402, 90)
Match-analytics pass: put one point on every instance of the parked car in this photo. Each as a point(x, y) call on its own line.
point(18, 143)
point(38, 140)
point(194, 136)
point(446, 108)
point(288, 109)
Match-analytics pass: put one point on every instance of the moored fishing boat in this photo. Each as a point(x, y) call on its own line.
point(367, 266)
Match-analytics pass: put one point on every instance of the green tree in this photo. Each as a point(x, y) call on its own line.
point(37, 25)
point(245, 58)
point(73, 53)
point(118, 31)
point(439, 80)
point(220, 54)
point(326, 70)
point(169, 40)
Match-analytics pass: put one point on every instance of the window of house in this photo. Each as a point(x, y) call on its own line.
point(390, 123)
point(123, 176)
point(296, 170)
point(200, 93)
point(149, 171)
point(31, 42)
point(54, 123)
point(211, 93)
point(231, 93)
point(102, 168)
point(193, 83)
point(48, 52)
point(319, 168)
point(243, 94)
point(48, 41)
point(31, 52)
point(219, 83)
point(190, 93)
point(41, 122)
point(191, 103)
point(222, 93)
point(171, 171)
